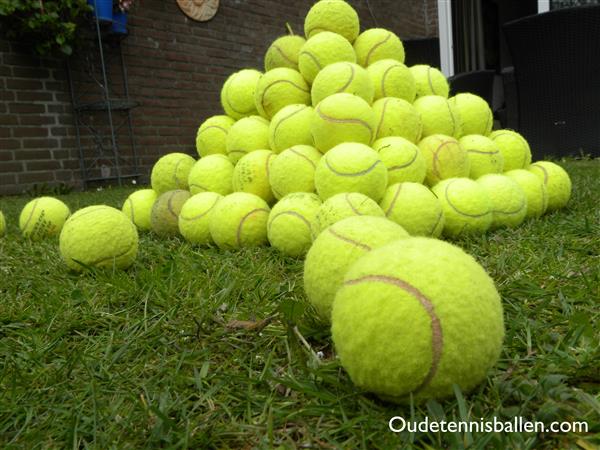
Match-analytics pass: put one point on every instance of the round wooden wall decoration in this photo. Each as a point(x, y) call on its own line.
point(200, 10)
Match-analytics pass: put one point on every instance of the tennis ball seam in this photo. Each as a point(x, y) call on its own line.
point(510, 213)
point(130, 202)
point(544, 172)
point(310, 31)
point(295, 152)
point(291, 213)
point(283, 119)
point(199, 186)
point(382, 118)
point(113, 257)
point(352, 207)
point(393, 202)
point(170, 205)
point(349, 240)
point(483, 152)
point(437, 221)
point(430, 81)
point(212, 126)
point(200, 216)
point(519, 137)
point(267, 168)
point(282, 53)
point(435, 160)
point(238, 233)
point(175, 179)
point(452, 117)
point(270, 85)
point(31, 214)
point(226, 87)
point(458, 211)
point(383, 78)
point(311, 56)
point(407, 164)
point(353, 174)
point(345, 121)
point(379, 44)
point(352, 73)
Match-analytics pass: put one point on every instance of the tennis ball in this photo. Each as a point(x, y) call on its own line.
point(397, 117)
point(247, 134)
point(351, 167)
point(467, 207)
point(342, 118)
point(534, 189)
point(138, 207)
point(445, 158)
point(334, 251)
point(514, 148)
point(213, 173)
point(415, 208)
point(336, 16)
point(342, 77)
point(321, 50)
point(291, 223)
point(429, 81)
point(212, 135)
point(475, 114)
point(237, 94)
point(43, 217)
point(557, 182)
point(344, 205)
point(377, 44)
point(509, 204)
point(403, 159)
point(164, 219)
point(438, 116)
point(251, 174)
point(293, 170)
point(290, 127)
point(239, 220)
point(283, 52)
point(484, 155)
point(417, 316)
point(98, 236)
point(2, 225)
point(195, 215)
point(278, 88)
point(391, 78)
point(171, 172)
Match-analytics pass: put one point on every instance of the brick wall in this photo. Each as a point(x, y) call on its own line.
point(175, 70)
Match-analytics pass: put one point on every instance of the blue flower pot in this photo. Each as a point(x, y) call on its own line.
point(103, 9)
point(119, 24)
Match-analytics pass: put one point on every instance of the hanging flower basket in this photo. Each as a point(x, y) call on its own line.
point(103, 9)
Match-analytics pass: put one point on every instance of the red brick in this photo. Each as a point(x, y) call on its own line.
point(30, 132)
point(34, 177)
point(23, 83)
point(24, 108)
point(40, 143)
point(29, 96)
point(27, 155)
point(48, 165)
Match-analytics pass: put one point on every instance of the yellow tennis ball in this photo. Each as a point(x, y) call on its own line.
point(98, 236)
point(164, 218)
point(403, 159)
point(283, 52)
point(415, 208)
point(391, 78)
point(251, 174)
point(397, 117)
point(509, 203)
point(212, 135)
point(467, 207)
point(429, 81)
point(321, 50)
point(484, 155)
point(557, 182)
point(278, 88)
point(293, 170)
point(43, 217)
point(445, 158)
point(213, 173)
point(475, 114)
point(171, 172)
point(238, 92)
point(195, 215)
point(291, 223)
point(239, 220)
point(438, 116)
point(2, 225)
point(334, 251)
point(138, 207)
point(342, 118)
point(341, 206)
point(342, 77)
point(290, 127)
point(246, 135)
point(377, 44)
point(514, 148)
point(336, 16)
point(534, 189)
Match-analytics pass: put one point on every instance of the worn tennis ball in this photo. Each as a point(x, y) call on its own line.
point(246, 135)
point(342, 77)
point(213, 173)
point(278, 88)
point(2, 225)
point(291, 223)
point(237, 94)
point(344, 205)
point(98, 236)
point(514, 148)
point(239, 220)
point(475, 114)
point(377, 44)
point(351, 167)
point(164, 219)
point(293, 170)
point(391, 78)
point(415, 208)
point(403, 159)
point(212, 135)
point(290, 127)
point(557, 182)
point(397, 117)
point(336, 16)
point(467, 207)
point(171, 172)
point(445, 158)
point(509, 203)
point(138, 208)
point(283, 52)
point(321, 50)
point(342, 118)
point(251, 174)
point(195, 215)
point(484, 155)
point(534, 189)
point(415, 318)
point(438, 116)
point(334, 251)
point(43, 217)
point(429, 81)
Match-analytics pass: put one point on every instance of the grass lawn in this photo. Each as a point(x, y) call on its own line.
point(161, 355)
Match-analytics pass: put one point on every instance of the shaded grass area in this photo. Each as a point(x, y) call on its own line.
point(154, 357)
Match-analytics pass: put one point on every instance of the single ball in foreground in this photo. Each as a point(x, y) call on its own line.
point(43, 217)
point(195, 216)
point(138, 207)
point(164, 219)
point(509, 204)
point(557, 182)
point(346, 204)
point(417, 316)
point(171, 172)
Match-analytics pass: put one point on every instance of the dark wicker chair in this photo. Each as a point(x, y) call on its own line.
point(480, 82)
point(422, 51)
point(556, 58)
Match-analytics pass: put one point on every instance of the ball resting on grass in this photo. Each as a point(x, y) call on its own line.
point(138, 208)
point(195, 216)
point(164, 219)
point(509, 203)
point(534, 189)
point(557, 182)
point(43, 217)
